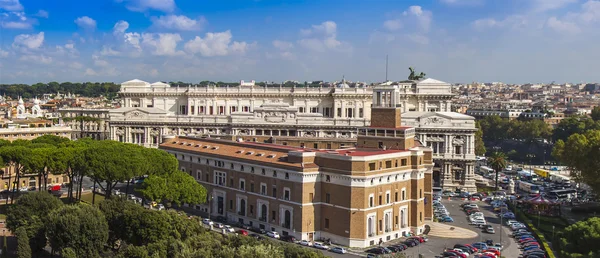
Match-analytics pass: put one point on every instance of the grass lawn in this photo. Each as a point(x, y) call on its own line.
point(546, 223)
point(87, 197)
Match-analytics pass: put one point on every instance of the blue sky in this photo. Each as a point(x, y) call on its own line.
point(513, 41)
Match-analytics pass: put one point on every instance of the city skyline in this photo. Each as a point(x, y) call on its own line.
point(165, 40)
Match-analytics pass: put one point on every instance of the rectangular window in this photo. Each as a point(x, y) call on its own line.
point(231, 204)
point(327, 112)
point(301, 110)
point(231, 182)
point(242, 184)
point(350, 112)
point(286, 194)
point(404, 162)
point(371, 201)
point(339, 112)
point(327, 178)
point(221, 110)
point(372, 166)
point(220, 178)
point(326, 223)
point(232, 109)
point(380, 200)
point(387, 198)
point(314, 110)
point(211, 110)
point(251, 209)
point(251, 187)
point(361, 113)
point(396, 220)
point(246, 108)
point(311, 197)
point(388, 164)
point(396, 196)
point(274, 193)
point(263, 189)
point(193, 109)
point(327, 198)
point(201, 110)
point(458, 149)
point(315, 145)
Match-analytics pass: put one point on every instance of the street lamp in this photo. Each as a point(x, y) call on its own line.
point(530, 157)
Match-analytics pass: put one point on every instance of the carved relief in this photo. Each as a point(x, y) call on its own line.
point(155, 132)
point(136, 115)
point(310, 134)
point(434, 121)
point(275, 117)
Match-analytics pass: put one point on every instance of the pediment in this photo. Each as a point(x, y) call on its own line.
point(138, 113)
point(434, 120)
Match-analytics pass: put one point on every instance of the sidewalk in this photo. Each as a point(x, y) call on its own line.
point(449, 231)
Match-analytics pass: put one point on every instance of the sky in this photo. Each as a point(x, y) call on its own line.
point(458, 41)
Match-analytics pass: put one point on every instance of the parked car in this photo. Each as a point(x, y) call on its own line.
point(243, 232)
point(480, 245)
point(273, 234)
point(288, 238)
point(339, 250)
point(321, 246)
point(219, 225)
point(305, 243)
point(446, 219)
point(257, 236)
point(229, 229)
point(207, 222)
point(258, 230)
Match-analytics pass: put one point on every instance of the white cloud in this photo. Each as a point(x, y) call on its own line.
point(99, 62)
point(320, 37)
point(11, 5)
point(420, 39)
point(16, 25)
point(90, 72)
point(120, 27)
point(36, 59)
point(562, 26)
point(514, 21)
point(75, 65)
point(590, 11)
point(178, 22)
point(283, 45)
point(42, 14)
point(30, 41)
point(86, 22)
point(145, 5)
point(424, 17)
point(3, 53)
point(546, 5)
point(392, 25)
point(215, 44)
point(162, 44)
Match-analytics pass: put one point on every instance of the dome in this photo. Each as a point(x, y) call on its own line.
point(21, 102)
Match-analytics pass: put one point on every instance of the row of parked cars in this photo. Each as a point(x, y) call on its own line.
point(482, 250)
point(259, 234)
point(392, 249)
point(439, 210)
point(526, 240)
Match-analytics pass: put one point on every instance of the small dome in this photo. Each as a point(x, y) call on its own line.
point(36, 101)
point(21, 101)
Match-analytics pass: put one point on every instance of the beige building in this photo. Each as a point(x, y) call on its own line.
point(358, 196)
point(323, 118)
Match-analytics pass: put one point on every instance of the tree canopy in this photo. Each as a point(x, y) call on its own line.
point(497, 129)
point(581, 239)
point(88, 89)
point(580, 153)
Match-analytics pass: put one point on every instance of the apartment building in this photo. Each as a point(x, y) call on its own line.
point(358, 196)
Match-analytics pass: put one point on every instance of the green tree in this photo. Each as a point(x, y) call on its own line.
point(69, 253)
point(37, 163)
point(581, 239)
point(580, 153)
point(23, 248)
point(108, 167)
point(14, 156)
point(595, 114)
point(573, 125)
point(498, 162)
point(30, 212)
point(53, 140)
point(479, 145)
point(259, 251)
point(154, 188)
point(82, 228)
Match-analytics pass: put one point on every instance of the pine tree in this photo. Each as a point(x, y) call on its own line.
point(23, 248)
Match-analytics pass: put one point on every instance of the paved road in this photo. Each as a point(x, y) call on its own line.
point(436, 245)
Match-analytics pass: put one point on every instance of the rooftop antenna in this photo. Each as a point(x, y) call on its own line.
point(386, 68)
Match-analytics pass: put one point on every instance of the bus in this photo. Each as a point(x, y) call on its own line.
point(528, 187)
point(560, 179)
point(483, 170)
point(528, 175)
point(564, 194)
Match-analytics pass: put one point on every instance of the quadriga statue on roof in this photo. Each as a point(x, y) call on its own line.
point(413, 76)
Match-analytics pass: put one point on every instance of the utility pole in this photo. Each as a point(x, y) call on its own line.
point(386, 68)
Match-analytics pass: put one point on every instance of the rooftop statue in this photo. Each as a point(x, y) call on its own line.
point(413, 75)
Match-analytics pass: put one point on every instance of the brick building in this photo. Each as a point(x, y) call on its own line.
point(356, 196)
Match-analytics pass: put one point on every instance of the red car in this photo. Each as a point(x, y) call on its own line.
point(492, 250)
point(243, 232)
point(457, 253)
point(418, 238)
point(472, 248)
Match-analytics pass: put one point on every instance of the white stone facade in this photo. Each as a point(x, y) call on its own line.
point(152, 110)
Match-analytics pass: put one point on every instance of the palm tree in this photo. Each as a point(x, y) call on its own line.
point(498, 162)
